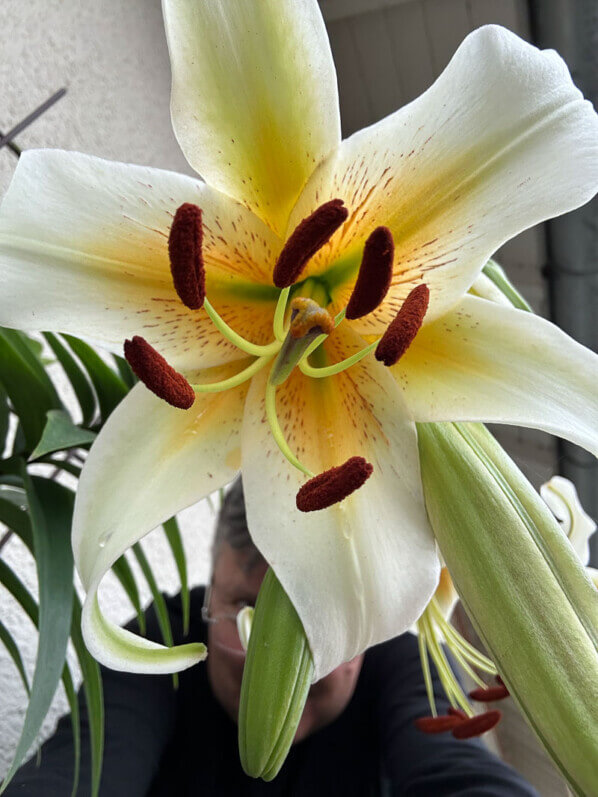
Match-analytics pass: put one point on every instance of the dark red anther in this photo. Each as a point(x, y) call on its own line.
point(489, 694)
point(405, 326)
point(333, 485)
point(457, 712)
point(157, 375)
point(437, 724)
point(476, 726)
point(375, 274)
point(309, 236)
point(186, 258)
point(499, 680)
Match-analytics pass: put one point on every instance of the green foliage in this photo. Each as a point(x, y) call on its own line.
point(41, 440)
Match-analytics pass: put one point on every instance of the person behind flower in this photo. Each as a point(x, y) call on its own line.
point(356, 736)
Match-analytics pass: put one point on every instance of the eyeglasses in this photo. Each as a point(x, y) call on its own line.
point(229, 621)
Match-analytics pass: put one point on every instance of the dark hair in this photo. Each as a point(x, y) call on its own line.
point(231, 526)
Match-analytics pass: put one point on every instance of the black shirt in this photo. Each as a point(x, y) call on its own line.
point(163, 742)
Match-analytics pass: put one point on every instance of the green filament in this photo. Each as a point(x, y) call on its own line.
point(277, 431)
point(337, 368)
point(281, 306)
point(249, 348)
point(236, 380)
point(425, 662)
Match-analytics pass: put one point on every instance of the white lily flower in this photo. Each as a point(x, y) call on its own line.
point(561, 497)
point(500, 142)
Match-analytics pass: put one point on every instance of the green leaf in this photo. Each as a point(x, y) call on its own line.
point(14, 495)
point(159, 602)
point(109, 387)
point(51, 507)
point(76, 376)
point(173, 535)
point(4, 418)
point(122, 570)
point(15, 654)
point(19, 592)
point(124, 369)
point(59, 434)
point(94, 698)
point(28, 386)
point(15, 518)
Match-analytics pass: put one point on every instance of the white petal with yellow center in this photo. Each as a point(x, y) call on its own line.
point(149, 461)
point(362, 570)
point(500, 142)
point(84, 250)
point(485, 362)
point(254, 98)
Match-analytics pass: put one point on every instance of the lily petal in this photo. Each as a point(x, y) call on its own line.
point(94, 233)
point(254, 98)
point(363, 570)
point(149, 461)
point(485, 362)
point(561, 497)
point(500, 142)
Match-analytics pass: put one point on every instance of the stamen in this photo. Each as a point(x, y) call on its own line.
point(277, 433)
point(155, 373)
point(309, 236)
point(237, 340)
point(336, 368)
point(457, 712)
point(186, 259)
point(476, 726)
point(490, 694)
point(407, 323)
point(375, 274)
point(437, 724)
point(333, 485)
point(233, 381)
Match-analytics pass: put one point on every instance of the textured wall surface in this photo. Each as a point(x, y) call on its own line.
point(112, 57)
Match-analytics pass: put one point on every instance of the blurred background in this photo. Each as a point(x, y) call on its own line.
point(112, 58)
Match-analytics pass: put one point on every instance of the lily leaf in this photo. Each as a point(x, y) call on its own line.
point(4, 417)
point(76, 376)
point(124, 369)
point(15, 654)
point(17, 589)
point(122, 570)
point(110, 388)
point(28, 386)
point(59, 434)
point(159, 602)
point(173, 535)
point(94, 697)
point(51, 507)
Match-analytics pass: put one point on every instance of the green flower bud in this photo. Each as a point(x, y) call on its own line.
point(526, 591)
point(276, 680)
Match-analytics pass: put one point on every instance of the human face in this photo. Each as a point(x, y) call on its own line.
point(235, 583)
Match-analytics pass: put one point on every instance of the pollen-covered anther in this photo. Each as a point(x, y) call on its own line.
point(437, 724)
point(307, 316)
point(333, 485)
point(490, 694)
point(405, 326)
point(155, 373)
point(186, 258)
point(476, 726)
point(309, 236)
point(375, 274)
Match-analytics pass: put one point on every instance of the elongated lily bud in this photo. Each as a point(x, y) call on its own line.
point(276, 680)
point(524, 588)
